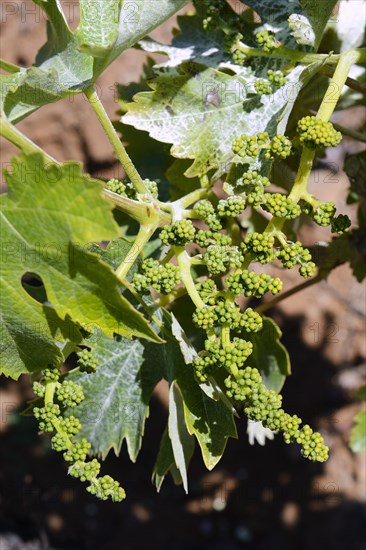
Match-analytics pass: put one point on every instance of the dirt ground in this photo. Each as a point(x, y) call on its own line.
point(256, 498)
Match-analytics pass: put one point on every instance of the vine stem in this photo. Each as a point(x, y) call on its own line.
point(326, 109)
point(9, 67)
point(142, 238)
point(302, 57)
point(115, 141)
point(12, 134)
point(184, 262)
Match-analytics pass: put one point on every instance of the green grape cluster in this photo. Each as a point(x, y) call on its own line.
point(51, 374)
point(205, 317)
point(293, 254)
point(204, 366)
point(85, 471)
point(250, 146)
point(65, 429)
point(253, 185)
point(231, 207)
point(70, 394)
point(219, 259)
point(280, 146)
point(78, 451)
point(121, 187)
point(152, 187)
point(250, 321)
point(46, 416)
point(281, 206)
point(324, 213)
point(267, 40)
point(341, 224)
point(240, 387)
point(230, 355)
point(263, 86)
point(205, 210)
point(250, 283)
point(87, 362)
point(106, 487)
point(313, 133)
point(180, 233)
point(231, 47)
point(260, 246)
point(277, 78)
point(153, 274)
point(206, 238)
point(265, 406)
point(207, 291)
point(227, 313)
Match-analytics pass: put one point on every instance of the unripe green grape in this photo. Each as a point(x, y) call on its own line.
point(59, 442)
point(207, 291)
point(46, 416)
point(314, 133)
point(277, 78)
point(106, 487)
point(205, 238)
point(152, 186)
point(267, 40)
point(70, 394)
point(78, 451)
point(71, 425)
point(324, 213)
point(39, 389)
point(260, 245)
point(231, 207)
point(51, 374)
point(205, 317)
point(87, 362)
point(179, 233)
point(250, 321)
point(263, 87)
point(280, 147)
point(227, 313)
point(85, 471)
point(281, 206)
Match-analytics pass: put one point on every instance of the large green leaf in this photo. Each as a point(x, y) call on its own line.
point(182, 442)
point(202, 110)
point(50, 212)
point(269, 356)
point(70, 62)
point(117, 395)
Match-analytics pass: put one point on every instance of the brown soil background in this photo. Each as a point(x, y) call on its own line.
point(256, 498)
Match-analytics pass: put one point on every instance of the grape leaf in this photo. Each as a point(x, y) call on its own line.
point(358, 435)
point(70, 62)
point(182, 442)
point(44, 224)
point(165, 463)
point(269, 356)
point(211, 422)
point(276, 15)
point(197, 111)
point(117, 395)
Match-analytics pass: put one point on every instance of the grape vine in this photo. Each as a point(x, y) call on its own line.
point(218, 245)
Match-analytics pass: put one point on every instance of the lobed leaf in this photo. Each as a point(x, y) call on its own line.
point(49, 214)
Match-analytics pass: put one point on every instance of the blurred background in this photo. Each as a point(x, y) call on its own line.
point(262, 498)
